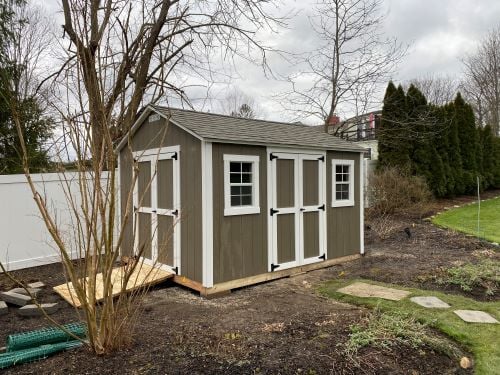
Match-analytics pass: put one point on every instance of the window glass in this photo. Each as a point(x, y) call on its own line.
point(342, 193)
point(240, 180)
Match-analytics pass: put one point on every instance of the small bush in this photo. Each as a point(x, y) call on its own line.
point(385, 330)
point(485, 274)
point(392, 190)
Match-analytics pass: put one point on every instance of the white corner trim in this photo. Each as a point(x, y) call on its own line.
point(347, 202)
point(243, 210)
point(207, 214)
point(361, 204)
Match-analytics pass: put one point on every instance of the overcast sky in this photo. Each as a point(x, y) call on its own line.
point(438, 33)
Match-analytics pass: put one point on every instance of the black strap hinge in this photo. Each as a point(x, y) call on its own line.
point(322, 256)
point(272, 156)
point(274, 266)
point(153, 211)
point(176, 212)
point(272, 211)
point(174, 156)
point(322, 207)
point(322, 158)
point(176, 270)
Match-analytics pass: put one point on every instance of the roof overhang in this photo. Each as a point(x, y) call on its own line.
point(149, 109)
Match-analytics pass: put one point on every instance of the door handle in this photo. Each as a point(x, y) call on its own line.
point(302, 209)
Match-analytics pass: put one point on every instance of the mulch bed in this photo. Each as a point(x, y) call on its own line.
point(279, 327)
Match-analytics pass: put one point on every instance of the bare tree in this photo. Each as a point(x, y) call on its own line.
point(31, 40)
point(345, 72)
point(438, 90)
point(482, 80)
point(119, 54)
point(239, 104)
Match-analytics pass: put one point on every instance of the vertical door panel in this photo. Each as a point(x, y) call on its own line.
point(310, 182)
point(144, 183)
point(165, 237)
point(144, 227)
point(285, 183)
point(311, 234)
point(165, 177)
point(285, 238)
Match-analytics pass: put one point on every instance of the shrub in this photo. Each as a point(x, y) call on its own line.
point(391, 190)
point(385, 330)
point(484, 274)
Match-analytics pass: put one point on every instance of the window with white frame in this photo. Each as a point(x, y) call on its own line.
point(241, 184)
point(342, 183)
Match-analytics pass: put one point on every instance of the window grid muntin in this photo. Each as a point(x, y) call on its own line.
point(342, 182)
point(241, 184)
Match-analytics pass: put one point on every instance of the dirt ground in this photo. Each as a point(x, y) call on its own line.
point(280, 327)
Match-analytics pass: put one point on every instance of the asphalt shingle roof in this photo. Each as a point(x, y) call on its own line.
point(215, 127)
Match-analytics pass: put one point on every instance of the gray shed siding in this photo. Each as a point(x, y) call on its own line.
point(157, 134)
point(239, 242)
point(343, 223)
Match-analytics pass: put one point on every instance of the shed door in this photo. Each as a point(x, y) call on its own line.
point(157, 207)
point(297, 209)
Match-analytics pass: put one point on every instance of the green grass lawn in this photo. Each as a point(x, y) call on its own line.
point(483, 340)
point(464, 219)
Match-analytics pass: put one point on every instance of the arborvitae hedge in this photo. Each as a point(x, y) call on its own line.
point(440, 143)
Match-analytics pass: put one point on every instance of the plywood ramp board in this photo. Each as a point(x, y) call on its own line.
point(144, 275)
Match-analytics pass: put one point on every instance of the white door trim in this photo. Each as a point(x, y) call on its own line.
point(315, 208)
point(207, 214)
point(298, 156)
point(153, 156)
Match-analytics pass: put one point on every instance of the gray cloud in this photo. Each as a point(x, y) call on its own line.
point(438, 32)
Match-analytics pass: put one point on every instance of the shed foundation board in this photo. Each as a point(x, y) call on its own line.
point(368, 290)
point(144, 275)
point(221, 288)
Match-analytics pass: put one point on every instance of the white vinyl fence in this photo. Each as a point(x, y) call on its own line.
point(24, 239)
point(368, 169)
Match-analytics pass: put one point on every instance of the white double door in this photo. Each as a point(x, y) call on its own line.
point(297, 214)
point(157, 207)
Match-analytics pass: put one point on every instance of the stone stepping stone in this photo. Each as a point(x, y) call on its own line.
point(15, 298)
point(3, 308)
point(36, 285)
point(475, 316)
point(33, 291)
point(430, 302)
point(360, 289)
point(33, 310)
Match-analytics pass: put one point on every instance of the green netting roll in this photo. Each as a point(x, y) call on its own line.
point(45, 336)
point(34, 354)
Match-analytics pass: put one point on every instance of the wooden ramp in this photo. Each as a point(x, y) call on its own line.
point(144, 275)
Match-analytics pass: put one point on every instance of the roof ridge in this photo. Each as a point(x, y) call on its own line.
point(233, 117)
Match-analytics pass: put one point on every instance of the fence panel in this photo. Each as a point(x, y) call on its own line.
point(24, 239)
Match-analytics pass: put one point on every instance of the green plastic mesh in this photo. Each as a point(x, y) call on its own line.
point(45, 336)
point(34, 354)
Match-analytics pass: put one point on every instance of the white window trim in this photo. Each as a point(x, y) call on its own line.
point(246, 210)
point(345, 202)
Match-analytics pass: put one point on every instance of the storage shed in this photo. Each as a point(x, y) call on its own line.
point(226, 202)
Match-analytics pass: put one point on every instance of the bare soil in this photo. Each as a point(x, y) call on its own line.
point(280, 327)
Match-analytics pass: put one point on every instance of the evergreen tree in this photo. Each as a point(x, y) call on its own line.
point(487, 156)
point(394, 145)
point(454, 151)
point(469, 143)
point(36, 129)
